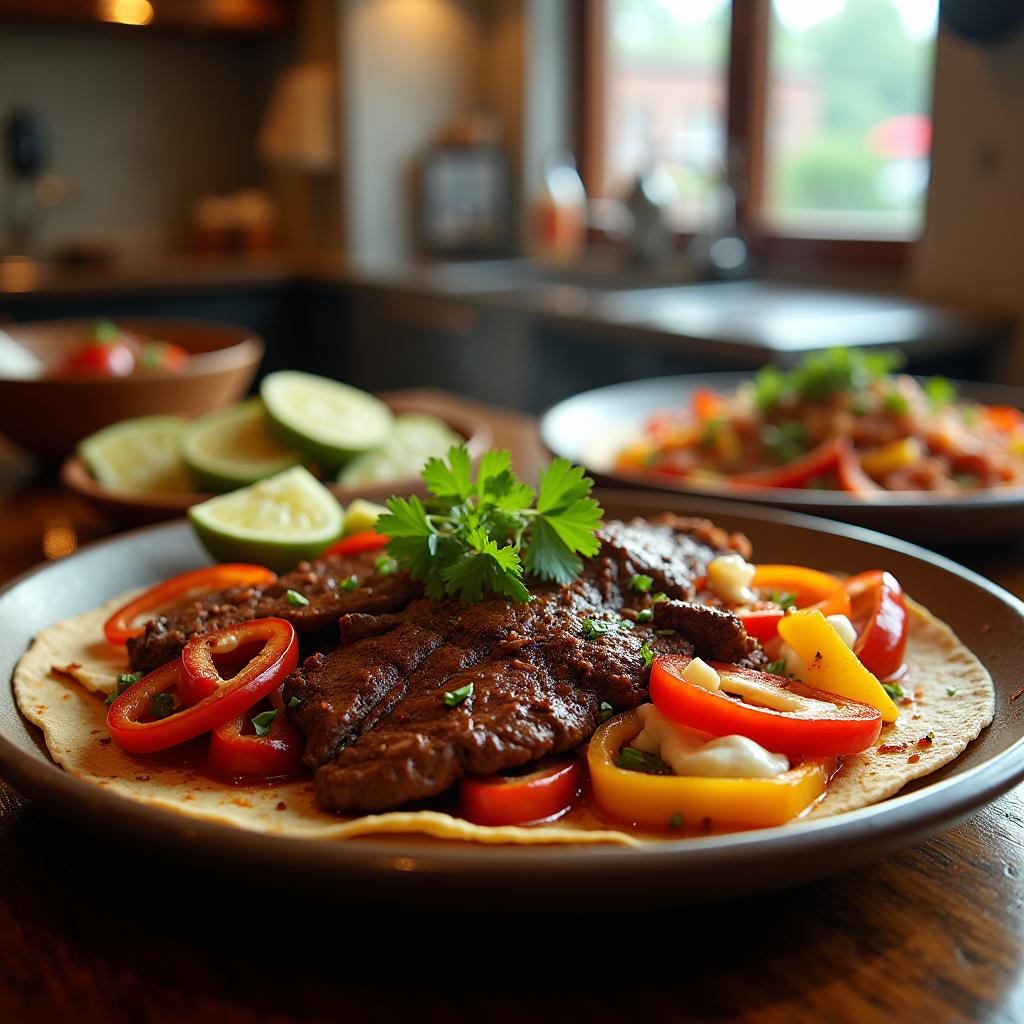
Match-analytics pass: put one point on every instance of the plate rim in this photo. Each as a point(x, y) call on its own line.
point(885, 824)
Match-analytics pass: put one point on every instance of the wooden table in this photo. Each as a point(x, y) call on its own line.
point(91, 933)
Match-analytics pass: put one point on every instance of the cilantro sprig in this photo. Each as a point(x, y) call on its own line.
point(472, 536)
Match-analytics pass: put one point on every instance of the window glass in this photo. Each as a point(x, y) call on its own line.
point(848, 132)
point(666, 82)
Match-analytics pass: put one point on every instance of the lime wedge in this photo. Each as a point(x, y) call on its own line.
point(138, 455)
point(414, 439)
point(361, 515)
point(233, 447)
point(327, 421)
point(276, 522)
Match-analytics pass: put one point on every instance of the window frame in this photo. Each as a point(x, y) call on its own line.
point(746, 108)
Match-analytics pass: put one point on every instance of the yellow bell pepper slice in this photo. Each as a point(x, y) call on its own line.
point(655, 801)
point(889, 457)
point(831, 665)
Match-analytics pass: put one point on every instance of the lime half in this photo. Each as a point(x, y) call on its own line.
point(277, 522)
point(414, 439)
point(327, 421)
point(139, 455)
point(233, 447)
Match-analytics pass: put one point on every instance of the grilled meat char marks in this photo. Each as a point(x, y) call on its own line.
point(378, 730)
point(321, 583)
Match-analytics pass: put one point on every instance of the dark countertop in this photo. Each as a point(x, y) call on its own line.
point(738, 322)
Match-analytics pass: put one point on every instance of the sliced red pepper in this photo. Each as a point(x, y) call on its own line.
point(877, 602)
point(240, 754)
point(811, 589)
point(519, 799)
point(852, 477)
point(805, 723)
point(816, 462)
point(761, 623)
point(131, 721)
point(366, 540)
point(124, 623)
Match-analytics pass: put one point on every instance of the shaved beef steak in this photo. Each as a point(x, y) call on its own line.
point(324, 584)
point(532, 677)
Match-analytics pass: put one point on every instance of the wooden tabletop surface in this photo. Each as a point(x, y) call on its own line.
point(89, 932)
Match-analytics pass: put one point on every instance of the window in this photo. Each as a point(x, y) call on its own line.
point(819, 108)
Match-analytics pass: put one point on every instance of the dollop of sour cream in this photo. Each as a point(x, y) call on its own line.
point(729, 577)
point(690, 752)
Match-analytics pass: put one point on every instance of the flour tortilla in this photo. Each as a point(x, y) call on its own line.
point(59, 685)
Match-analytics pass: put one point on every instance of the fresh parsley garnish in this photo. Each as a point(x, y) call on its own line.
point(455, 697)
point(386, 566)
point(646, 654)
point(294, 702)
point(658, 597)
point(781, 598)
point(950, 691)
point(939, 391)
point(261, 723)
point(641, 583)
point(295, 598)
point(350, 584)
point(161, 705)
point(645, 615)
point(124, 680)
point(606, 711)
point(896, 403)
point(822, 375)
point(594, 628)
point(894, 690)
point(472, 536)
point(777, 668)
point(634, 760)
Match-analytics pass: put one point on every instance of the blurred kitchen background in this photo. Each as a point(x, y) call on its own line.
point(520, 199)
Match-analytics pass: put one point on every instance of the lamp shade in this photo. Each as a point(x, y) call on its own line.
point(299, 129)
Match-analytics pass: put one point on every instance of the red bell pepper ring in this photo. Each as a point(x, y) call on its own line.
point(877, 601)
point(805, 723)
point(817, 462)
point(811, 589)
point(852, 477)
point(520, 799)
point(761, 623)
point(131, 719)
point(124, 624)
point(366, 540)
point(237, 754)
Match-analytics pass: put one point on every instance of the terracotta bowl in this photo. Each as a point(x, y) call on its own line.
point(138, 509)
point(48, 417)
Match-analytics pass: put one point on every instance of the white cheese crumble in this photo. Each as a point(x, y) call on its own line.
point(689, 752)
point(700, 673)
point(729, 577)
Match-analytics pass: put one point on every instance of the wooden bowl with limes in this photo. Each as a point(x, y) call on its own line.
point(136, 508)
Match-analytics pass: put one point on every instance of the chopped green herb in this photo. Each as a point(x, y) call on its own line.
point(968, 481)
point(644, 615)
point(785, 599)
point(646, 654)
point(294, 702)
point(594, 628)
point(161, 705)
point(785, 441)
point(455, 697)
point(951, 691)
point(386, 566)
point(709, 432)
point(105, 332)
point(894, 690)
point(939, 391)
point(666, 632)
point(770, 387)
point(352, 583)
point(822, 375)
point(295, 598)
point(262, 722)
point(658, 597)
point(476, 535)
point(931, 736)
point(634, 760)
point(124, 680)
point(970, 414)
point(676, 821)
point(896, 403)
point(641, 583)
point(777, 668)
point(606, 711)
